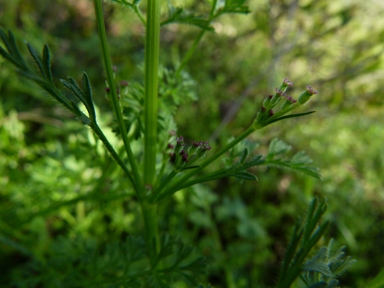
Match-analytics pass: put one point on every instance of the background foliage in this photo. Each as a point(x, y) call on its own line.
point(61, 194)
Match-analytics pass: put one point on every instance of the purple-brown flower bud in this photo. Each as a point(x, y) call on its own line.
point(311, 90)
point(270, 112)
point(107, 89)
point(170, 146)
point(287, 83)
point(185, 158)
point(182, 152)
point(171, 155)
point(114, 68)
point(306, 96)
point(279, 92)
point(124, 83)
point(180, 140)
point(195, 144)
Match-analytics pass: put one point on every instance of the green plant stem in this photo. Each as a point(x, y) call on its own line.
point(162, 170)
point(192, 49)
point(151, 89)
point(115, 101)
point(149, 212)
point(113, 153)
point(219, 244)
point(152, 46)
point(138, 13)
point(175, 187)
point(170, 176)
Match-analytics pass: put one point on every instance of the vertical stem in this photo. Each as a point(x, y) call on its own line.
point(151, 89)
point(152, 44)
point(115, 101)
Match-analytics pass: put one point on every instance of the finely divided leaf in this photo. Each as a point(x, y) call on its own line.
point(178, 15)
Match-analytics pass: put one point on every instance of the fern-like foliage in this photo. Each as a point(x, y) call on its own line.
point(239, 161)
point(303, 239)
point(180, 16)
point(174, 254)
point(232, 6)
point(299, 162)
point(86, 263)
point(43, 77)
point(325, 266)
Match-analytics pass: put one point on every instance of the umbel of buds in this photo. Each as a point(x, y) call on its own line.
point(266, 115)
point(196, 151)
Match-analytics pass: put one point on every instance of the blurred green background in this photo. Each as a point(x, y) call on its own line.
point(57, 187)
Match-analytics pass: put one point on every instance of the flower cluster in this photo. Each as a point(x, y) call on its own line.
point(196, 151)
point(266, 113)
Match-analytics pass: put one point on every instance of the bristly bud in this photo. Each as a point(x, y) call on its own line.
point(118, 91)
point(311, 90)
point(306, 96)
point(185, 158)
point(170, 146)
point(124, 83)
point(193, 148)
point(202, 150)
point(270, 112)
point(179, 144)
point(107, 89)
point(180, 140)
point(279, 92)
point(263, 109)
point(182, 152)
point(288, 103)
point(267, 101)
point(287, 83)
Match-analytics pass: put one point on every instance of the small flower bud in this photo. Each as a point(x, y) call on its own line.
point(287, 83)
point(286, 105)
point(170, 146)
point(171, 155)
point(279, 92)
point(306, 96)
point(263, 109)
point(107, 89)
point(179, 144)
point(118, 91)
point(267, 100)
point(114, 68)
point(124, 83)
point(185, 158)
point(192, 149)
point(182, 152)
point(270, 112)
